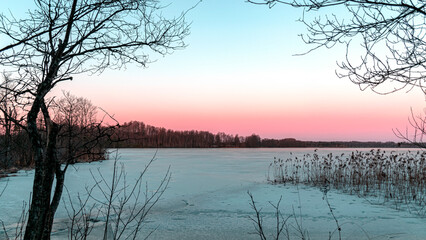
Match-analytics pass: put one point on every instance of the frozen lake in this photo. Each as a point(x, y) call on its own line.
point(207, 197)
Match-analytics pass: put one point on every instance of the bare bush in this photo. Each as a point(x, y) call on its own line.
point(283, 227)
point(116, 205)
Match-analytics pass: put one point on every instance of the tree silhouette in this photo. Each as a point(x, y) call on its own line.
point(390, 32)
point(385, 44)
point(56, 41)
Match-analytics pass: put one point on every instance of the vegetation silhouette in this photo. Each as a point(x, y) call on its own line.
point(53, 43)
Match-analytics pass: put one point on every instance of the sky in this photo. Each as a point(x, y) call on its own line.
point(239, 75)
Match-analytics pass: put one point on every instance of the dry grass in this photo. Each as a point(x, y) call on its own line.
point(392, 177)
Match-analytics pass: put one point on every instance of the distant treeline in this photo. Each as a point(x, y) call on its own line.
point(136, 134)
point(82, 141)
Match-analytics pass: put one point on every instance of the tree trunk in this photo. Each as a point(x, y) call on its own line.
point(42, 210)
point(8, 126)
point(40, 205)
point(60, 177)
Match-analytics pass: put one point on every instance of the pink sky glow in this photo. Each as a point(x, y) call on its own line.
point(338, 115)
point(239, 75)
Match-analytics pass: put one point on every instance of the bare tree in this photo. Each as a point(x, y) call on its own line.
point(75, 111)
point(79, 136)
point(385, 43)
point(390, 32)
point(57, 40)
point(6, 109)
point(415, 133)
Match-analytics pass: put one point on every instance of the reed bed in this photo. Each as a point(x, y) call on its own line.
point(391, 177)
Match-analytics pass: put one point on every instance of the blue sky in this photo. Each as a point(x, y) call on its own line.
point(239, 75)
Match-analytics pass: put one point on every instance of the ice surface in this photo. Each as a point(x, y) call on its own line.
point(207, 197)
